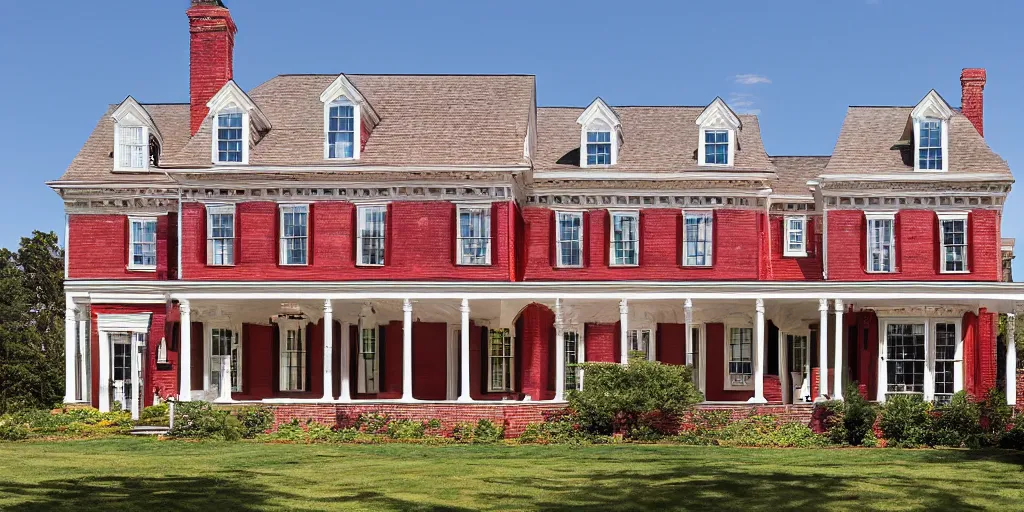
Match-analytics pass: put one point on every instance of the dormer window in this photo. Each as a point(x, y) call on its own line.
point(136, 138)
point(599, 148)
point(929, 122)
point(348, 120)
point(237, 125)
point(132, 149)
point(929, 153)
point(716, 147)
point(718, 126)
point(341, 129)
point(229, 135)
point(600, 135)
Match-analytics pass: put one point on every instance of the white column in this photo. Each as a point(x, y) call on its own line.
point(623, 331)
point(758, 397)
point(406, 350)
point(822, 351)
point(464, 383)
point(328, 351)
point(83, 352)
point(103, 401)
point(345, 394)
point(225, 380)
point(185, 352)
point(135, 362)
point(70, 347)
point(688, 319)
point(559, 352)
point(837, 380)
point(1011, 359)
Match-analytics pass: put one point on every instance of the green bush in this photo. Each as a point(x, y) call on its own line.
point(956, 424)
point(619, 398)
point(995, 417)
point(1013, 438)
point(155, 415)
point(463, 432)
point(703, 426)
point(255, 420)
point(373, 422)
point(11, 429)
point(73, 422)
point(487, 432)
point(560, 428)
point(406, 429)
point(850, 421)
point(753, 431)
point(199, 420)
point(905, 420)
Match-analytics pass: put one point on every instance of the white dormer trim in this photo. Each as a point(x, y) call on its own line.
point(254, 122)
point(357, 134)
point(931, 107)
point(599, 117)
point(363, 113)
point(131, 114)
point(717, 116)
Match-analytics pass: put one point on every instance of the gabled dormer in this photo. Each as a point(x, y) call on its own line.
point(137, 140)
point(600, 135)
point(718, 129)
point(930, 124)
point(348, 120)
point(237, 125)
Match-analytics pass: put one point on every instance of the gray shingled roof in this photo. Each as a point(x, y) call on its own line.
point(654, 139)
point(793, 173)
point(866, 140)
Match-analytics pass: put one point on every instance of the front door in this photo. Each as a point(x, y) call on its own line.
point(799, 367)
point(121, 368)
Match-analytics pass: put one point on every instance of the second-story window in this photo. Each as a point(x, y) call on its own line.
point(881, 242)
point(474, 236)
point(796, 242)
point(953, 240)
point(929, 145)
point(142, 243)
point(625, 239)
point(570, 239)
point(294, 234)
point(132, 147)
point(697, 242)
point(220, 235)
point(229, 135)
point(599, 148)
point(370, 243)
point(716, 147)
point(341, 129)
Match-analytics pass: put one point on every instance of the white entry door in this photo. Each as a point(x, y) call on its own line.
point(124, 361)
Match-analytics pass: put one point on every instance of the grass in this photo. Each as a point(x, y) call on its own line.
point(152, 475)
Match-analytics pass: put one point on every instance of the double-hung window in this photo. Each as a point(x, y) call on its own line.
point(945, 361)
point(142, 243)
point(740, 357)
point(294, 234)
point(293, 360)
point(573, 357)
point(132, 147)
point(370, 242)
point(368, 360)
point(229, 135)
point(500, 361)
point(716, 147)
point(474, 236)
point(639, 340)
point(929, 144)
point(570, 239)
point(599, 148)
point(697, 238)
point(881, 241)
point(796, 235)
point(224, 344)
point(625, 239)
point(905, 357)
point(953, 237)
point(341, 129)
point(220, 235)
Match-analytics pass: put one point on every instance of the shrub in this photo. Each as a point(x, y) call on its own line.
point(463, 432)
point(995, 417)
point(849, 421)
point(11, 429)
point(406, 429)
point(905, 420)
point(618, 398)
point(156, 415)
point(255, 420)
point(768, 431)
point(703, 426)
point(199, 420)
point(487, 432)
point(1014, 437)
point(956, 424)
point(373, 422)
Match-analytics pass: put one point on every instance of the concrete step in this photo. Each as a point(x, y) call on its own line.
point(145, 430)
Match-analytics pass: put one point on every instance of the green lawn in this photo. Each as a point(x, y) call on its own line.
point(146, 474)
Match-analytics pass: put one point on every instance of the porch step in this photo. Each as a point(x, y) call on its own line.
point(144, 430)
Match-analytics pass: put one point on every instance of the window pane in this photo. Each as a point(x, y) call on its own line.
point(697, 229)
point(716, 147)
point(570, 239)
point(474, 236)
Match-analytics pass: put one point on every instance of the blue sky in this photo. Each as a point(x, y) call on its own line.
point(797, 64)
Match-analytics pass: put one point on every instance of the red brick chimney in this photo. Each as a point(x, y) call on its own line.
point(211, 46)
point(972, 97)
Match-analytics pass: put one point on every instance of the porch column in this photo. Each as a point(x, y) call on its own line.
point(1011, 359)
point(837, 380)
point(328, 351)
point(83, 354)
point(688, 319)
point(758, 397)
point(136, 362)
point(345, 394)
point(406, 350)
point(185, 352)
point(70, 329)
point(822, 351)
point(559, 353)
point(464, 383)
point(623, 331)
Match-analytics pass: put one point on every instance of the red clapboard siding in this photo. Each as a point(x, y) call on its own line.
point(97, 248)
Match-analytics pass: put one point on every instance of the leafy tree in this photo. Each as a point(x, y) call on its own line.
point(32, 323)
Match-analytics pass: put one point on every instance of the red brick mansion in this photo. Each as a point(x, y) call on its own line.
point(337, 242)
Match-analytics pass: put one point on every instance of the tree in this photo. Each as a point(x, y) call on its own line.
point(32, 323)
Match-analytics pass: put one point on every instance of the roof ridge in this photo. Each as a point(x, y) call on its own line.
point(408, 74)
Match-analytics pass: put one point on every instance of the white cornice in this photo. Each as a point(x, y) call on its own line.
point(933, 106)
point(944, 177)
point(595, 175)
point(277, 169)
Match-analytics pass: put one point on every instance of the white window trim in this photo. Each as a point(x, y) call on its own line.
point(118, 147)
point(131, 242)
point(558, 238)
point(281, 248)
point(728, 385)
point(942, 242)
point(710, 255)
point(220, 209)
point(611, 238)
point(580, 357)
point(236, 331)
point(361, 384)
point(652, 344)
point(245, 135)
point(486, 207)
point(869, 216)
point(702, 150)
point(283, 327)
point(700, 347)
point(452, 368)
point(598, 116)
point(361, 224)
point(944, 123)
point(356, 127)
point(787, 250)
point(511, 361)
point(929, 350)
point(132, 114)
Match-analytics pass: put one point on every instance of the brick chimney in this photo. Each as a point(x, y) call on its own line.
point(972, 102)
point(211, 46)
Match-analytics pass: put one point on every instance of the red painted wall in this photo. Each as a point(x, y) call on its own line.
point(988, 324)
point(536, 345)
point(601, 343)
point(257, 361)
point(735, 247)
point(97, 248)
point(211, 48)
point(163, 380)
point(420, 244)
point(430, 360)
point(917, 247)
point(671, 343)
point(787, 268)
point(715, 370)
